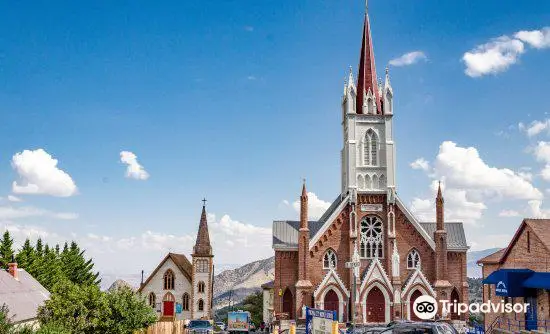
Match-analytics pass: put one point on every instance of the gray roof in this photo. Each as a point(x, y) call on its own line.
point(22, 296)
point(285, 232)
point(456, 240)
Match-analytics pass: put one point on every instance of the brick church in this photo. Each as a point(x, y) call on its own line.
point(393, 258)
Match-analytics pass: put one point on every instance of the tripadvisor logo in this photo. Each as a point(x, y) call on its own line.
point(425, 307)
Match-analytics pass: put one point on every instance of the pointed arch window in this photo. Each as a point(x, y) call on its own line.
point(152, 299)
point(372, 241)
point(360, 182)
point(169, 280)
point(201, 287)
point(370, 148)
point(329, 259)
point(201, 305)
point(413, 259)
point(382, 182)
point(185, 302)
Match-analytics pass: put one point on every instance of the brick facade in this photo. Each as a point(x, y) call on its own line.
point(525, 251)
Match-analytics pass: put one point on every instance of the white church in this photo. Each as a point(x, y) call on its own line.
point(178, 289)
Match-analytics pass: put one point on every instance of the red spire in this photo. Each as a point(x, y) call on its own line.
point(367, 71)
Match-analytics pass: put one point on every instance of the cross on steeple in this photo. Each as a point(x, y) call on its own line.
point(204, 202)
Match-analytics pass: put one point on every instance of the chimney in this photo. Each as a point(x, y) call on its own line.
point(12, 268)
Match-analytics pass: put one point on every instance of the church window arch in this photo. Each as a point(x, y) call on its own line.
point(372, 241)
point(382, 182)
point(185, 302)
point(375, 182)
point(201, 287)
point(330, 260)
point(152, 299)
point(413, 259)
point(374, 149)
point(361, 181)
point(201, 305)
point(368, 182)
point(169, 280)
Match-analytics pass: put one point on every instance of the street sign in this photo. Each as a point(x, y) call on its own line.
point(319, 321)
point(353, 264)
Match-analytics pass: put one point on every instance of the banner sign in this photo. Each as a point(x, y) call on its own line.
point(319, 321)
point(372, 207)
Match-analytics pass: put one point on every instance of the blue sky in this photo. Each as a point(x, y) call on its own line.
point(239, 100)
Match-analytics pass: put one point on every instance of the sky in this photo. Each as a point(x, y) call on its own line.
point(118, 118)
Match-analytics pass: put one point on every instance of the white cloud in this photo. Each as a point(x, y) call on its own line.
point(535, 127)
point(500, 53)
point(542, 153)
point(421, 164)
point(508, 213)
point(538, 39)
point(39, 174)
point(493, 57)
point(408, 58)
point(316, 206)
point(536, 210)
point(11, 213)
point(133, 170)
point(463, 168)
point(479, 241)
point(12, 198)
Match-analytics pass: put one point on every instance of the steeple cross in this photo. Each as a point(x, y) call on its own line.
point(204, 202)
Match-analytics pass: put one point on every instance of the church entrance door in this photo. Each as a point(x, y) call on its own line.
point(414, 295)
point(288, 304)
point(376, 306)
point(168, 308)
point(168, 304)
point(454, 313)
point(331, 302)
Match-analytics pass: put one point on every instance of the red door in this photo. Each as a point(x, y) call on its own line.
point(376, 306)
point(331, 302)
point(168, 308)
point(414, 295)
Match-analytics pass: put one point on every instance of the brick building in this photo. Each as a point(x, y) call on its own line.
point(180, 289)
point(520, 273)
point(398, 258)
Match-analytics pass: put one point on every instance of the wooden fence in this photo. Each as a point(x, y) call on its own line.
point(164, 327)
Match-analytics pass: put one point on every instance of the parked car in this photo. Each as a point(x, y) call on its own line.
point(416, 327)
point(221, 325)
point(200, 327)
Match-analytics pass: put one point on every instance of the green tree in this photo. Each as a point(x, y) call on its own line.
point(6, 325)
point(6, 249)
point(80, 309)
point(76, 268)
point(254, 304)
point(26, 255)
point(50, 271)
point(129, 312)
point(85, 309)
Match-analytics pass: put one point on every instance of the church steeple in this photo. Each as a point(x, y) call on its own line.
point(439, 209)
point(367, 71)
point(303, 208)
point(202, 245)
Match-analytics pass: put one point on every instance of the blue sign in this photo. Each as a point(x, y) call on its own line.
point(319, 321)
point(178, 308)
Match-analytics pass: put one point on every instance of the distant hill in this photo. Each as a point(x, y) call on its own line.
point(236, 284)
point(473, 269)
point(119, 283)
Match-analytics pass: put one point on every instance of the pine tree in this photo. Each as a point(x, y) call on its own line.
point(76, 268)
point(6, 249)
point(25, 256)
point(51, 269)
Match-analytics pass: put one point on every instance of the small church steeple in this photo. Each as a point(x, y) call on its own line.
point(202, 244)
point(439, 209)
point(303, 208)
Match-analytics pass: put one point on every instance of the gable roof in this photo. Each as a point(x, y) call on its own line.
point(456, 239)
point(285, 232)
point(179, 260)
point(492, 258)
point(541, 229)
point(22, 296)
